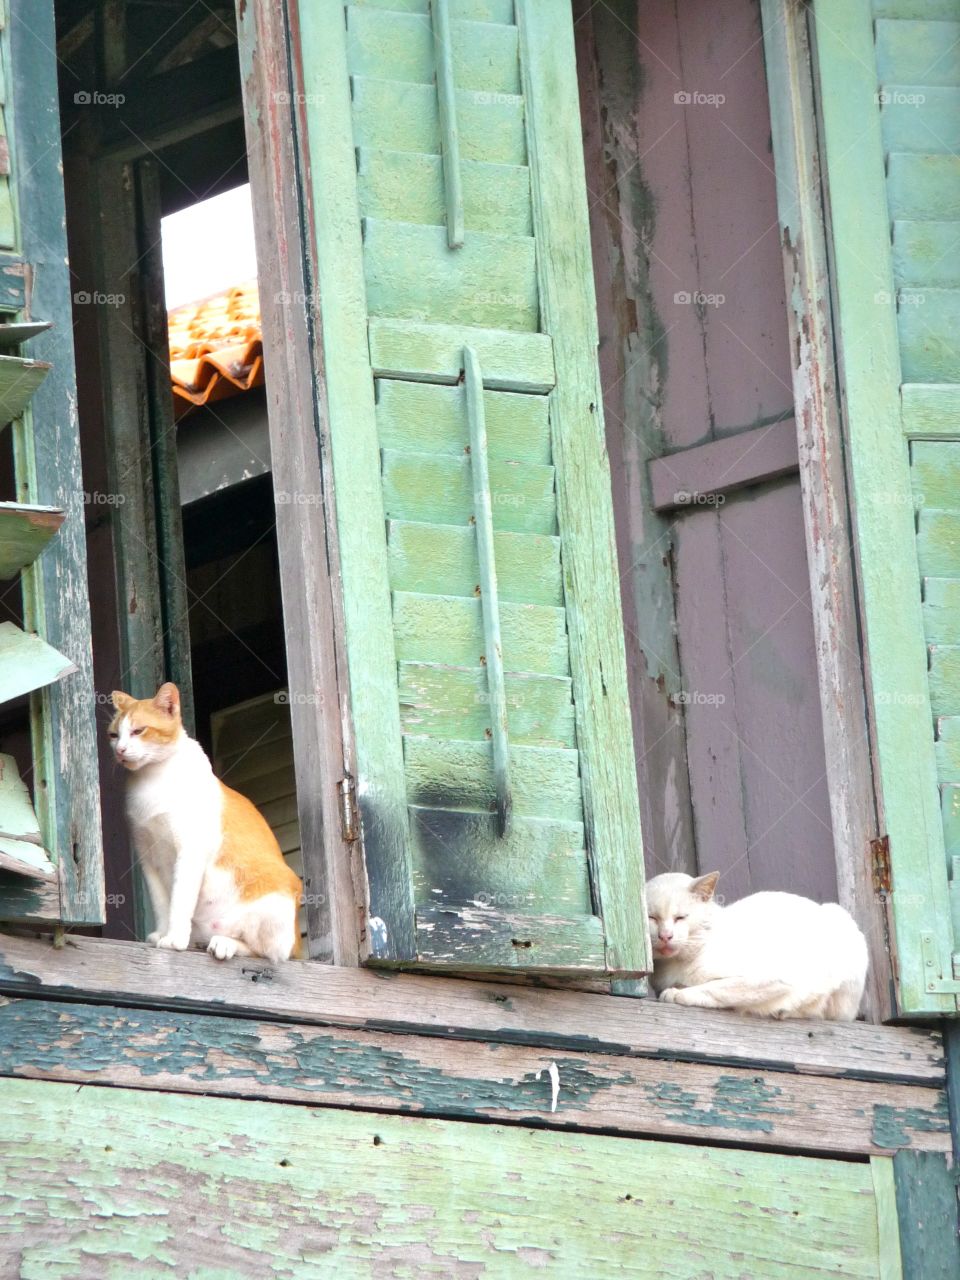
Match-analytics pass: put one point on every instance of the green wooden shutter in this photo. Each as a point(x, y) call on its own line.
point(51, 858)
point(890, 85)
point(496, 777)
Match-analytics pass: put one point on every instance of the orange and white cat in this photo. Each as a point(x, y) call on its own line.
point(214, 870)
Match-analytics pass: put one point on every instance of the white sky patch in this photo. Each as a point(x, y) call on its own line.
point(208, 247)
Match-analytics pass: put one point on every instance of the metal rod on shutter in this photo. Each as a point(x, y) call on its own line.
point(489, 596)
point(449, 135)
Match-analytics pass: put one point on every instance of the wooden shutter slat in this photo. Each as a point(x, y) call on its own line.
point(442, 560)
point(21, 844)
point(438, 489)
point(27, 662)
point(941, 610)
point(929, 324)
point(916, 117)
point(25, 530)
point(474, 938)
point(920, 52)
point(929, 409)
point(394, 116)
point(446, 701)
point(432, 352)
point(923, 186)
point(480, 10)
point(449, 630)
point(539, 866)
point(399, 46)
point(443, 773)
point(924, 254)
point(425, 417)
point(19, 379)
point(412, 275)
point(408, 187)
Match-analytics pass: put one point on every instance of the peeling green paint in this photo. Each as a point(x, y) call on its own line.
point(893, 1126)
point(737, 1103)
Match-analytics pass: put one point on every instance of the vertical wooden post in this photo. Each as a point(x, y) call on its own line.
point(306, 531)
point(850, 780)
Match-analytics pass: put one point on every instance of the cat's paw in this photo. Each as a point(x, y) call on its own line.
point(222, 948)
point(173, 941)
point(154, 938)
point(670, 995)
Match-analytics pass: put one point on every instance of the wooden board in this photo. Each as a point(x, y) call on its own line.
point(379, 1071)
point(171, 1184)
point(133, 974)
point(21, 844)
point(27, 662)
point(25, 530)
point(19, 379)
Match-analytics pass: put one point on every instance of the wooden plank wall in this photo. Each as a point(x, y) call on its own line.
point(695, 353)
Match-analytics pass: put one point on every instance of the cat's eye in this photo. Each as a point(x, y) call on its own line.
point(135, 733)
point(113, 735)
point(679, 917)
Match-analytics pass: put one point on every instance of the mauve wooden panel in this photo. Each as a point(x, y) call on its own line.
point(695, 350)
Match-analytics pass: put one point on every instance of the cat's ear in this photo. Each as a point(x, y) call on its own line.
point(704, 887)
point(168, 699)
point(122, 701)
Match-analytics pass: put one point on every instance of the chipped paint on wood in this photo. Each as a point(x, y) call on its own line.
point(374, 1069)
point(130, 973)
point(109, 1182)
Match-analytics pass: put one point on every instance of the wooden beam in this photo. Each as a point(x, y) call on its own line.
point(306, 531)
point(47, 455)
point(382, 1071)
point(705, 471)
point(171, 106)
point(108, 1181)
point(127, 973)
point(826, 516)
point(926, 1194)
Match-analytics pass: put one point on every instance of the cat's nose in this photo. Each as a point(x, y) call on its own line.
point(666, 935)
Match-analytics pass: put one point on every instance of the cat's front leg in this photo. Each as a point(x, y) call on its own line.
point(159, 900)
point(187, 878)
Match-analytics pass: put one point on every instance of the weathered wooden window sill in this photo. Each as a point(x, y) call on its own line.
point(104, 1012)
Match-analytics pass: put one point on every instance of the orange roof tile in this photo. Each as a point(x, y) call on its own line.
point(216, 347)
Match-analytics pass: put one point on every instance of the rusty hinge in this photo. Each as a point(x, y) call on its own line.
point(880, 858)
point(349, 814)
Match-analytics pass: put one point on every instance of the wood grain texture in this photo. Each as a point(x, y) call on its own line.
point(47, 460)
point(926, 1200)
point(28, 662)
point(306, 533)
point(883, 505)
point(141, 1178)
point(595, 620)
point(329, 170)
point(826, 516)
point(132, 974)
point(722, 466)
point(377, 1071)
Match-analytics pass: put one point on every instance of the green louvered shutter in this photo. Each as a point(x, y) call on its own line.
point(890, 85)
point(496, 777)
point(50, 843)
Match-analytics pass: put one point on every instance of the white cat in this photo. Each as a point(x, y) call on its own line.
point(772, 954)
